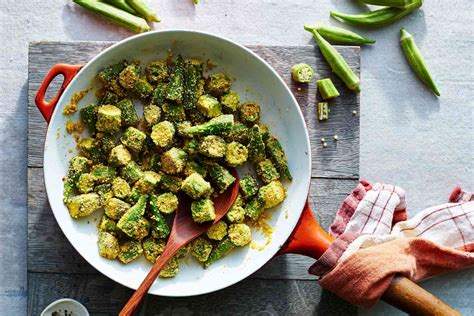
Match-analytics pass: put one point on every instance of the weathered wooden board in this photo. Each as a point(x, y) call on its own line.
point(283, 286)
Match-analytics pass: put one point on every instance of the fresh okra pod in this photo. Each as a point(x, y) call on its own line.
point(416, 60)
point(142, 8)
point(379, 17)
point(337, 63)
point(337, 35)
point(327, 89)
point(323, 111)
point(390, 3)
point(122, 4)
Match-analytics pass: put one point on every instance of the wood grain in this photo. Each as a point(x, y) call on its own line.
point(282, 286)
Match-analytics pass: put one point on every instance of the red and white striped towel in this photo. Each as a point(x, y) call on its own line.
point(375, 241)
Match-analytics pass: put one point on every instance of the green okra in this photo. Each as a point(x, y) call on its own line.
point(143, 9)
point(416, 60)
point(323, 111)
point(89, 117)
point(302, 73)
point(216, 126)
point(129, 222)
point(256, 145)
point(115, 15)
point(219, 251)
point(327, 89)
point(128, 113)
point(176, 84)
point(338, 64)
point(389, 3)
point(276, 153)
point(159, 227)
point(192, 75)
point(122, 4)
point(378, 17)
point(337, 35)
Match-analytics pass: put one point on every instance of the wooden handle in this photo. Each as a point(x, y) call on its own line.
point(69, 72)
point(309, 239)
point(411, 298)
point(142, 290)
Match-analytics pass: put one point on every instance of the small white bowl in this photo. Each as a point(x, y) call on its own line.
point(64, 307)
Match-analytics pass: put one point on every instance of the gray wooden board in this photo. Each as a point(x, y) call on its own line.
point(283, 286)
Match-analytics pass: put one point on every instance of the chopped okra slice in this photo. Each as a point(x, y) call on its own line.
point(109, 119)
point(106, 142)
point(103, 174)
point(173, 161)
point(267, 171)
point(184, 251)
point(170, 269)
point(163, 133)
point(166, 203)
point(201, 249)
point(230, 102)
point(129, 76)
point(236, 154)
point(302, 73)
point(323, 111)
point(159, 227)
point(129, 115)
point(236, 214)
point(249, 113)
point(89, 117)
point(195, 167)
point(203, 211)
point(85, 183)
point(276, 153)
point(90, 148)
point(111, 72)
point(218, 84)
point(109, 98)
point(220, 251)
point(256, 145)
point(120, 156)
point(272, 194)
point(192, 85)
point(216, 126)
point(83, 205)
point(248, 186)
point(153, 248)
point(209, 106)
point(147, 182)
point(159, 94)
point(129, 251)
point(108, 245)
point(116, 208)
point(176, 82)
point(217, 231)
point(131, 172)
point(254, 208)
point(240, 234)
point(195, 186)
point(152, 114)
point(133, 139)
point(130, 223)
point(142, 88)
point(327, 89)
point(213, 146)
point(174, 112)
point(239, 133)
point(108, 225)
point(157, 71)
point(221, 177)
point(170, 183)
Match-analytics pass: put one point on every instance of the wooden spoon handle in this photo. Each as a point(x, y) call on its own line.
point(136, 298)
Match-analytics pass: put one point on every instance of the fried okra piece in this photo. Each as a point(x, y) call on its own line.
point(184, 251)
point(152, 114)
point(108, 225)
point(220, 251)
point(221, 177)
point(248, 187)
point(159, 94)
point(83, 205)
point(195, 117)
point(106, 142)
point(236, 154)
point(166, 203)
point(176, 82)
point(89, 117)
point(201, 249)
point(256, 145)
point(267, 171)
point(191, 147)
point(264, 130)
point(111, 72)
point(147, 182)
point(159, 227)
point(157, 71)
point(90, 148)
point(216, 126)
point(104, 191)
point(209, 106)
point(129, 76)
point(213, 146)
point(203, 211)
point(249, 113)
point(130, 223)
point(272, 194)
point(240, 234)
point(153, 248)
point(133, 138)
point(217, 231)
point(195, 186)
point(108, 245)
point(236, 214)
point(129, 114)
point(116, 208)
point(170, 269)
point(195, 167)
point(108, 119)
point(142, 88)
point(254, 208)
point(192, 76)
point(131, 172)
point(230, 102)
point(173, 161)
point(170, 183)
point(276, 153)
point(120, 156)
point(77, 166)
point(218, 84)
point(163, 133)
point(120, 188)
point(129, 251)
point(239, 133)
point(103, 174)
point(181, 126)
point(109, 98)
point(85, 183)
point(173, 112)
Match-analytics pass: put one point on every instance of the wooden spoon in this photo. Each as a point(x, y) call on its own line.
point(184, 230)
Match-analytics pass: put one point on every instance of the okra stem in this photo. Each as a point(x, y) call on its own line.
point(144, 10)
point(122, 4)
point(416, 60)
point(337, 63)
point(115, 15)
point(337, 35)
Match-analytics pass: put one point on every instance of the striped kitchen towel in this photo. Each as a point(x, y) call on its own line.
point(375, 241)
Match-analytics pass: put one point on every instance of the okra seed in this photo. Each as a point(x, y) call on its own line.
point(325, 144)
point(336, 137)
point(322, 140)
point(354, 112)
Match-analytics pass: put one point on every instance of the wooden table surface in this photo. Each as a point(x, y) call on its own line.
point(283, 286)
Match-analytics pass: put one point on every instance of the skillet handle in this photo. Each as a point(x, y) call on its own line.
point(69, 72)
point(309, 239)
